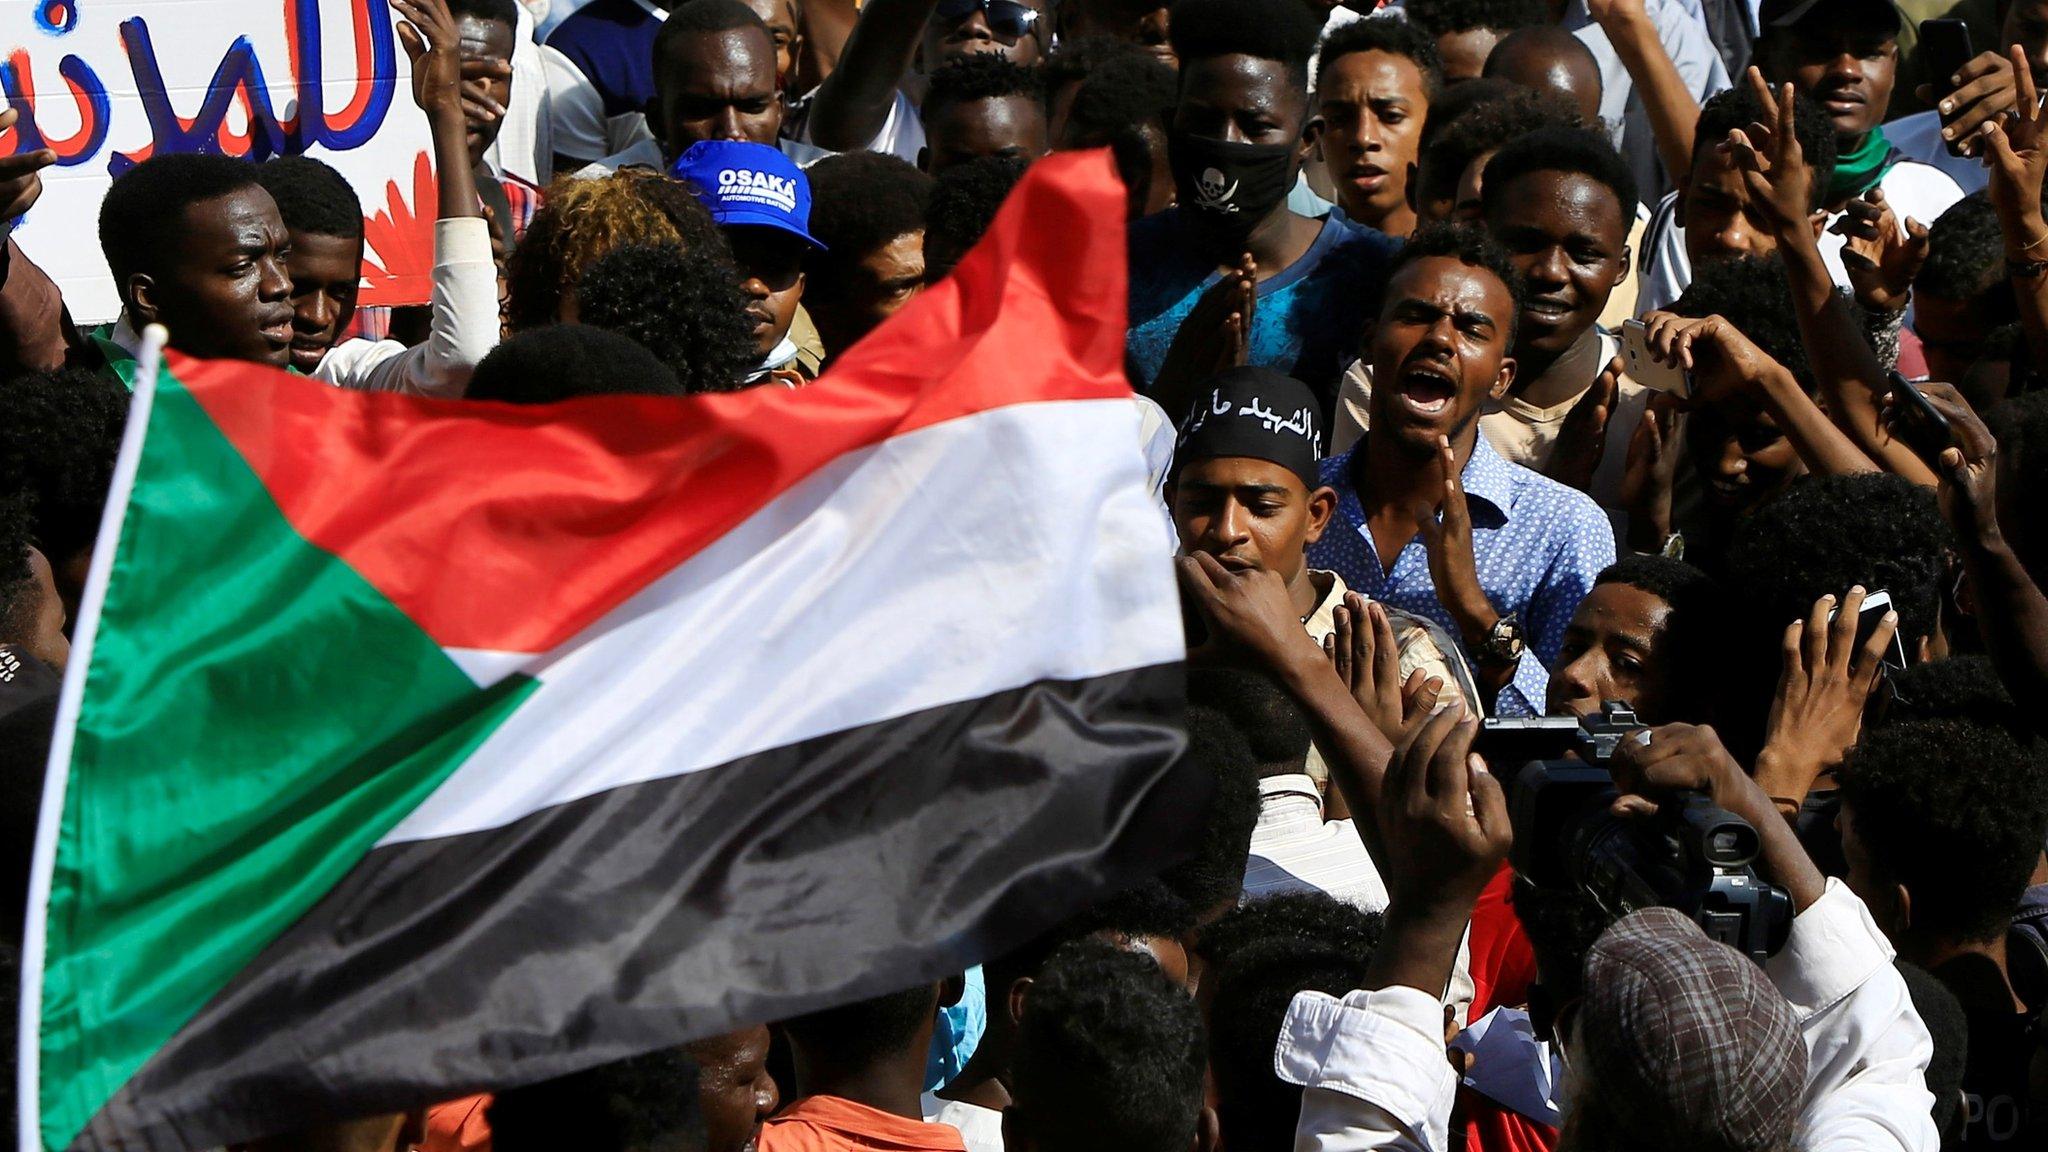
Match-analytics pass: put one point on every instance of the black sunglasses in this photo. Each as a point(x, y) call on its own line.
point(1009, 20)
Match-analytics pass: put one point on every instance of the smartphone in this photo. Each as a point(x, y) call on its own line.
point(1944, 48)
point(1875, 605)
point(1919, 423)
point(1646, 369)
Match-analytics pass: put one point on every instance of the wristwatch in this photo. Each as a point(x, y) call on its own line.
point(1503, 643)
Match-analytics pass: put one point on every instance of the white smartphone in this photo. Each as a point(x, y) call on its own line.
point(1875, 605)
point(1646, 369)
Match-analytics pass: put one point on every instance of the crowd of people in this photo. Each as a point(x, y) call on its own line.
point(1661, 363)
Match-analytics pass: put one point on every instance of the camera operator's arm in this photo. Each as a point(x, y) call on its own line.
point(1818, 710)
point(1251, 618)
point(2012, 614)
point(1373, 1063)
point(1867, 1051)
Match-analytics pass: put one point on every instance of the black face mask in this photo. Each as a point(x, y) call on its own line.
point(1227, 188)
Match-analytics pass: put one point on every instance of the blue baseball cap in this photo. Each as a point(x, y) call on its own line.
point(747, 183)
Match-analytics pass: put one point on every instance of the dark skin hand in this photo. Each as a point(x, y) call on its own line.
point(1880, 259)
point(1650, 475)
point(1454, 567)
point(1216, 335)
point(2012, 614)
point(1444, 821)
point(1367, 657)
point(854, 101)
point(1252, 621)
point(2019, 160)
point(1683, 757)
point(1818, 711)
point(1983, 92)
point(1582, 438)
point(21, 181)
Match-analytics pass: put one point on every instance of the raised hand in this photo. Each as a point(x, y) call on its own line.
point(1818, 710)
point(2019, 159)
point(1368, 660)
point(21, 179)
point(1582, 437)
point(1772, 164)
point(1446, 531)
point(1880, 259)
point(1702, 344)
point(1968, 472)
point(431, 42)
point(1442, 817)
point(1215, 335)
point(1651, 475)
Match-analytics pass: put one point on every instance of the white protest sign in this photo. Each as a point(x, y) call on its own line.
point(108, 83)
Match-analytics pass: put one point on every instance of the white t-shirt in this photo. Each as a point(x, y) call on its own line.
point(1914, 190)
point(1918, 137)
point(901, 136)
point(981, 1129)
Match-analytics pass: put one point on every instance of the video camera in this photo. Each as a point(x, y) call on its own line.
point(1691, 856)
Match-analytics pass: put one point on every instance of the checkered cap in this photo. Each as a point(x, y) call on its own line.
point(1685, 1039)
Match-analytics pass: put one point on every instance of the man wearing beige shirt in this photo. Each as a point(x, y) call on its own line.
point(1244, 489)
point(1561, 201)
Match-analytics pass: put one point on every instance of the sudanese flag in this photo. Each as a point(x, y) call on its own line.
point(413, 747)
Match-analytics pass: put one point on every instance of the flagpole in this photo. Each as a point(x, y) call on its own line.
point(149, 359)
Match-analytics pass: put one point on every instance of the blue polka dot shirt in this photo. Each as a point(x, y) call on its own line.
point(1538, 545)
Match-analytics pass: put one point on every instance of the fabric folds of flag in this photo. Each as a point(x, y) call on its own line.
point(414, 747)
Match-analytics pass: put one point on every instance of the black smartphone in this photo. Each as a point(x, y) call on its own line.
point(1944, 48)
point(1919, 423)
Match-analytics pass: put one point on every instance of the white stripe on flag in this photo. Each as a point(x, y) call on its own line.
point(940, 566)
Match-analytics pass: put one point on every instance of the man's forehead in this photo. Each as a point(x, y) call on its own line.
point(1625, 608)
point(1238, 78)
point(1445, 281)
point(747, 47)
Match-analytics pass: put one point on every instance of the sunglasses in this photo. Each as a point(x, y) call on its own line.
point(1009, 20)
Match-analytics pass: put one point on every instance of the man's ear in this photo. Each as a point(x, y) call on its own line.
point(1322, 504)
point(1627, 264)
point(951, 989)
point(1311, 140)
point(1019, 993)
point(1208, 1132)
point(1905, 899)
point(140, 292)
point(1504, 378)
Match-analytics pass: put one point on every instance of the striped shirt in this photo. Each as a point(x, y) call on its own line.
point(1294, 850)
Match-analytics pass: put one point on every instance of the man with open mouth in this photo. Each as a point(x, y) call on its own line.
point(1432, 520)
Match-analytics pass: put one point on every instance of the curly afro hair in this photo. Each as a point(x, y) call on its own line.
point(981, 76)
point(861, 1032)
point(1966, 254)
point(562, 361)
point(1272, 721)
point(312, 197)
point(1561, 925)
point(18, 599)
point(1308, 917)
point(1074, 59)
point(648, 1104)
point(59, 434)
point(1485, 127)
point(1752, 293)
point(1961, 688)
point(1109, 1056)
point(1954, 811)
point(1469, 245)
point(1278, 30)
point(1395, 38)
point(1127, 93)
point(1214, 877)
point(1739, 107)
point(1439, 17)
point(2021, 425)
point(860, 201)
point(964, 203)
point(1146, 909)
point(1258, 1110)
point(682, 304)
point(581, 220)
point(1827, 534)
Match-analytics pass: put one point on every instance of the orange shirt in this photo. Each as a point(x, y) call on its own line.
point(832, 1124)
point(458, 1126)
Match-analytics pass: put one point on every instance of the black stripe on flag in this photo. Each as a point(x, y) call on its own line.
point(826, 871)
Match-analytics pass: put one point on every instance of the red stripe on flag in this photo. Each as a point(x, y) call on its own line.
point(511, 528)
